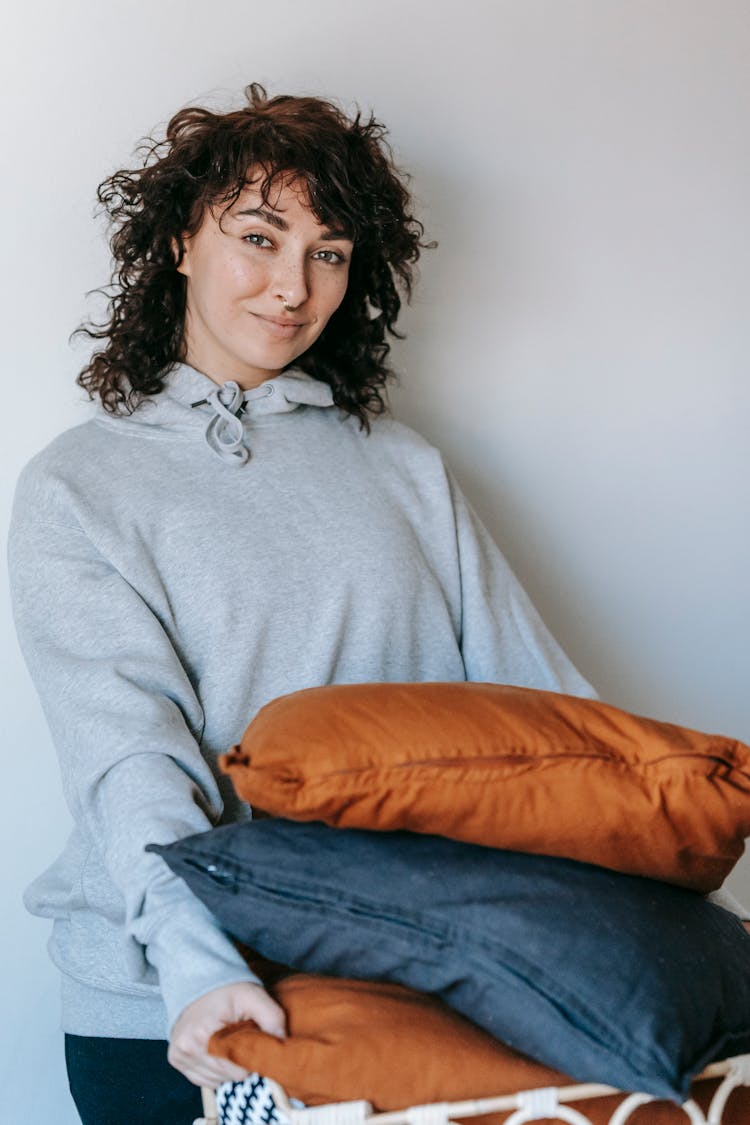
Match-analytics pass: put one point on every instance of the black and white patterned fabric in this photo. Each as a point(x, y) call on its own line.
point(249, 1102)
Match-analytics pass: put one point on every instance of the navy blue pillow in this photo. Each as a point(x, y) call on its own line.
point(607, 977)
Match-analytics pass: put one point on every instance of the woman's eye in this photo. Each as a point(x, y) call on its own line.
point(257, 240)
point(332, 256)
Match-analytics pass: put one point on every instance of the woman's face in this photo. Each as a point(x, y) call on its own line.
point(262, 282)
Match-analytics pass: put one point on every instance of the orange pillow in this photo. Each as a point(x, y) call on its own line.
point(351, 1040)
point(507, 767)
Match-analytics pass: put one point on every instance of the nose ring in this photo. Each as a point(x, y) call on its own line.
point(285, 304)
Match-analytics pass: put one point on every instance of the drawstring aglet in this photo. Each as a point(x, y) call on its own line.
point(204, 402)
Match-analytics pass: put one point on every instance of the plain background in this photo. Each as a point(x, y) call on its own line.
point(578, 346)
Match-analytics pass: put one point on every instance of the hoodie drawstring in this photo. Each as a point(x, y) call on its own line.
point(225, 432)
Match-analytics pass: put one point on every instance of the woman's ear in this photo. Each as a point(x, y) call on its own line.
point(180, 253)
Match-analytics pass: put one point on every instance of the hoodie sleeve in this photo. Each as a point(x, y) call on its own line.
point(125, 721)
point(503, 638)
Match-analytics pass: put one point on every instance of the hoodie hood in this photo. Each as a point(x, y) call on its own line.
point(191, 403)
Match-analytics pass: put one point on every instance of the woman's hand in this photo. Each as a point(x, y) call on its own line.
point(188, 1047)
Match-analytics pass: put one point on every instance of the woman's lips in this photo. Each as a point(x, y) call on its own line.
point(283, 329)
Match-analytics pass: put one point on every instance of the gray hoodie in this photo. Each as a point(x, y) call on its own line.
point(173, 571)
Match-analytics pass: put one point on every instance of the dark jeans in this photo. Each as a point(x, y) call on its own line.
point(128, 1082)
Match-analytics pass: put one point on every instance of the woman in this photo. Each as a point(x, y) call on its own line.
point(238, 521)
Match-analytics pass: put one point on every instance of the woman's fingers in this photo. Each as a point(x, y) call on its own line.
point(202, 1072)
point(265, 1012)
point(233, 1003)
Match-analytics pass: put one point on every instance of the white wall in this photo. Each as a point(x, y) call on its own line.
point(579, 345)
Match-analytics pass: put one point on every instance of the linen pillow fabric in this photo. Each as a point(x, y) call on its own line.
point(401, 1047)
point(505, 767)
point(603, 976)
point(404, 1048)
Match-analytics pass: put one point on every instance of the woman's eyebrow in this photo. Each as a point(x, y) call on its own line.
point(275, 220)
point(270, 217)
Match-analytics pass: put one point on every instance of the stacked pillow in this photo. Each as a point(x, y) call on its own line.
point(507, 767)
point(565, 948)
point(404, 1048)
point(401, 1047)
point(606, 977)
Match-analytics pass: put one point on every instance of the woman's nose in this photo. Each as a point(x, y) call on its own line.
point(290, 282)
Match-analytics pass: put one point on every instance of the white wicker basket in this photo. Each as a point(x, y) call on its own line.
point(529, 1105)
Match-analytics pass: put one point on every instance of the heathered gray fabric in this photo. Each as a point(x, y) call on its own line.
point(164, 592)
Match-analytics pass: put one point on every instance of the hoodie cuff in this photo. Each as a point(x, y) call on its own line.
point(192, 957)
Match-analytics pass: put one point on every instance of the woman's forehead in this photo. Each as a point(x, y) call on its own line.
point(278, 191)
point(282, 197)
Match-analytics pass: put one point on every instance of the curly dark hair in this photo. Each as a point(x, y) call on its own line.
point(203, 161)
